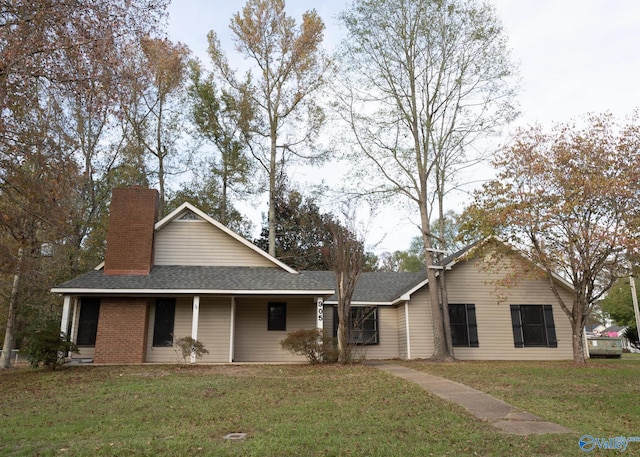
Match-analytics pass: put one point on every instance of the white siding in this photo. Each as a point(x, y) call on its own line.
point(196, 242)
point(470, 283)
point(254, 343)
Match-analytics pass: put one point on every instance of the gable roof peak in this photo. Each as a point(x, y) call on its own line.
point(186, 206)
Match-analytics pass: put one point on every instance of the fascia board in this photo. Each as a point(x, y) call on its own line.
point(81, 291)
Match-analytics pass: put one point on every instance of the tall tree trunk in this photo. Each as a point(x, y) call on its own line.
point(440, 349)
point(446, 323)
point(577, 335)
point(7, 347)
point(343, 335)
point(442, 278)
point(272, 195)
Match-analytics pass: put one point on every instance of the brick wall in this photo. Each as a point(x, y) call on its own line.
point(132, 218)
point(122, 330)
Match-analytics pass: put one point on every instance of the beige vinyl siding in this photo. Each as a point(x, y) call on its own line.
point(196, 242)
point(254, 343)
point(402, 331)
point(327, 324)
point(388, 330)
point(469, 282)
point(181, 328)
point(214, 328)
point(420, 325)
point(387, 348)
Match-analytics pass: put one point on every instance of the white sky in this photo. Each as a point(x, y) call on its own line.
point(575, 57)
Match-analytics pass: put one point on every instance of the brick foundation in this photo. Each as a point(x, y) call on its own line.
point(122, 330)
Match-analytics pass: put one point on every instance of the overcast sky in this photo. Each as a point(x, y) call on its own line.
point(575, 56)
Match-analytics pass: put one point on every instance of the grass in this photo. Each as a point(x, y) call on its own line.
point(300, 410)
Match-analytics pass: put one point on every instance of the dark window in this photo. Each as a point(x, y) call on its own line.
point(163, 322)
point(533, 326)
point(277, 316)
point(363, 325)
point(88, 322)
point(464, 329)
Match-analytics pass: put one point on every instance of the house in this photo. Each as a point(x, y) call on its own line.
point(188, 275)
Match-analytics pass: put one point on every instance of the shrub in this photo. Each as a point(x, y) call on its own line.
point(188, 346)
point(314, 344)
point(48, 346)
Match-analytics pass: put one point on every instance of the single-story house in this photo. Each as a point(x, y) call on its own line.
point(188, 275)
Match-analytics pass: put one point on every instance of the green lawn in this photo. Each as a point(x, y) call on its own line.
point(299, 410)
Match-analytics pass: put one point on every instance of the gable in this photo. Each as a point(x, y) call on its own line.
point(190, 240)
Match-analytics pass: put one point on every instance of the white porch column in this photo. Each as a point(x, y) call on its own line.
point(232, 328)
point(74, 321)
point(194, 323)
point(66, 310)
point(319, 313)
point(406, 323)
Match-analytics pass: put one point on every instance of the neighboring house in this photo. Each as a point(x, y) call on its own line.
point(188, 275)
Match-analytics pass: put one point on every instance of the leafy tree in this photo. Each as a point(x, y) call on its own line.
point(409, 260)
point(289, 69)
point(302, 230)
point(223, 120)
point(36, 201)
point(569, 197)
point(57, 70)
point(618, 304)
point(422, 82)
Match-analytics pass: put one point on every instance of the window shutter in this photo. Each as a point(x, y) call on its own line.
point(472, 326)
point(517, 326)
point(552, 342)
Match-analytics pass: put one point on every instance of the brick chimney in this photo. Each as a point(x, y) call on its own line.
point(132, 219)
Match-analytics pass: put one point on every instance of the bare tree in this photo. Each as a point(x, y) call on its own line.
point(422, 82)
point(346, 258)
point(157, 122)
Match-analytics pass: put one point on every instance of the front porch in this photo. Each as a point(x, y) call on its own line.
point(246, 328)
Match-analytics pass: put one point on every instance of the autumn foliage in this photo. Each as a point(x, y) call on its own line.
point(569, 197)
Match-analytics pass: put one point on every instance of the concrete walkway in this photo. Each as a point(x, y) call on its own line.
point(485, 407)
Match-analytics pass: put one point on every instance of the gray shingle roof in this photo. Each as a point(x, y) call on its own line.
point(195, 278)
point(374, 287)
